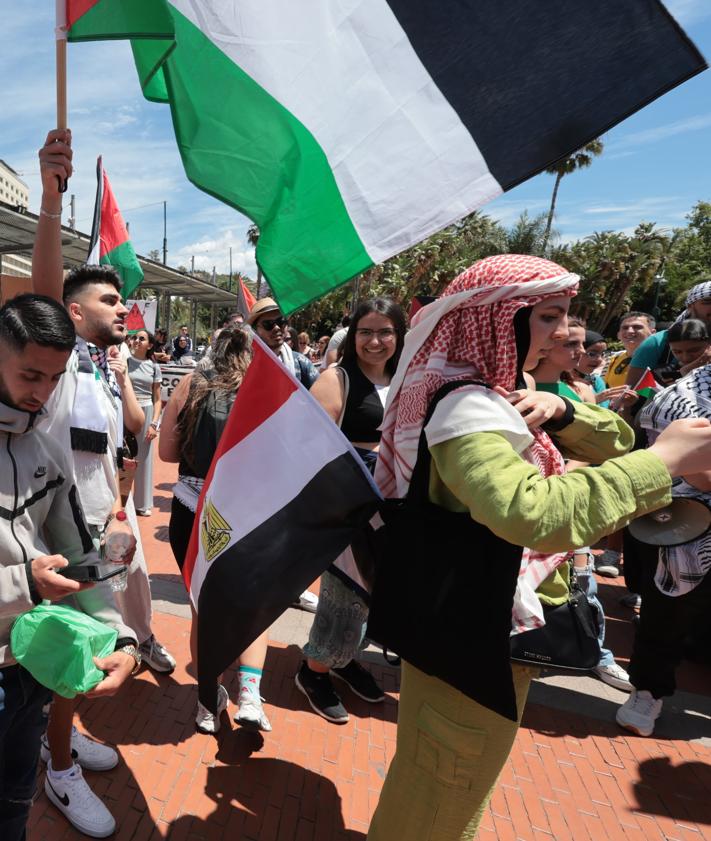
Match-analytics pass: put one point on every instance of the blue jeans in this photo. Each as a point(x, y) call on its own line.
point(22, 723)
point(588, 585)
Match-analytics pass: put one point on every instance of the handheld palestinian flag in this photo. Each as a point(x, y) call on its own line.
point(647, 386)
point(245, 299)
point(350, 131)
point(284, 496)
point(109, 242)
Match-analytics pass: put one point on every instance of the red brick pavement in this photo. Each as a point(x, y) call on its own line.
point(569, 776)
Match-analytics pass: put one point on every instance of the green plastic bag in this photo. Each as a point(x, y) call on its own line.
point(56, 644)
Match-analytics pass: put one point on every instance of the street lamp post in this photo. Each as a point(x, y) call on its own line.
point(659, 281)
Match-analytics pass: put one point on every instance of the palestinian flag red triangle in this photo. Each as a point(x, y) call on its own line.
point(134, 320)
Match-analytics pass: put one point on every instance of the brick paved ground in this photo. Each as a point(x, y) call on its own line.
point(572, 773)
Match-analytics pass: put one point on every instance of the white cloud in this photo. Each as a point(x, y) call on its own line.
point(215, 251)
point(654, 135)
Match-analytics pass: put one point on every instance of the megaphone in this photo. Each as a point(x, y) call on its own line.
point(681, 522)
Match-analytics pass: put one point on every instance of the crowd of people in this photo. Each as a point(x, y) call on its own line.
point(542, 450)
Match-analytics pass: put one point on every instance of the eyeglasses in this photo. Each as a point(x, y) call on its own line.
point(270, 323)
point(386, 335)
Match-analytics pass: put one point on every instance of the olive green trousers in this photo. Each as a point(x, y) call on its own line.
point(449, 754)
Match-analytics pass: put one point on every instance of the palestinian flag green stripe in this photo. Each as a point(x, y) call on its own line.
point(123, 259)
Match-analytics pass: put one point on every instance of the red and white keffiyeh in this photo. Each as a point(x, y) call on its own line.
point(469, 334)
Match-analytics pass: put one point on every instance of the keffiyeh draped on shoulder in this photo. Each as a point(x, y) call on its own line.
point(469, 334)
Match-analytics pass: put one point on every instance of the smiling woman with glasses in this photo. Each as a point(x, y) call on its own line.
point(353, 393)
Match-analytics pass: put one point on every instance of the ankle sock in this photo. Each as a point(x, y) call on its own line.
point(249, 680)
point(59, 775)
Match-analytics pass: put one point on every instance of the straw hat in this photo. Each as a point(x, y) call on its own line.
point(262, 306)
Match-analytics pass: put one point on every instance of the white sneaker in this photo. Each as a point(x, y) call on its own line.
point(639, 712)
point(156, 656)
point(251, 714)
point(205, 721)
point(78, 803)
point(85, 752)
point(614, 675)
point(307, 601)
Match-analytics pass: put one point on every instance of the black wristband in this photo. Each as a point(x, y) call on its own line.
point(34, 595)
point(566, 420)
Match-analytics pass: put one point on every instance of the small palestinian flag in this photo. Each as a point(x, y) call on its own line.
point(647, 386)
point(245, 299)
point(349, 131)
point(109, 241)
point(285, 495)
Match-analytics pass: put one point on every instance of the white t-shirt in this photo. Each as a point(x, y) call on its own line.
point(94, 474)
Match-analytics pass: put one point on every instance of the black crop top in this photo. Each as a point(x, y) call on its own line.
point(364, 411)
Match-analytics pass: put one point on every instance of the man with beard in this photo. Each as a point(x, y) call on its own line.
point(86, 414)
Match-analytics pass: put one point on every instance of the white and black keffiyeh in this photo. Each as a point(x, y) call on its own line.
point(682, 568)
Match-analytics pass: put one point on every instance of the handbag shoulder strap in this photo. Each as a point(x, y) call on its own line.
point(420, 481)
point(346, 388)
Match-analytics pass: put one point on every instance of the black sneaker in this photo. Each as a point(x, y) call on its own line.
point(608, 564)
point(360, 681)
point(320, 694)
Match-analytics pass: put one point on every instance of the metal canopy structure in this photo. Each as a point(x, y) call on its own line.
point(17, 236)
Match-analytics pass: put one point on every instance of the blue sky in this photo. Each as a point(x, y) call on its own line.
point(655, 166)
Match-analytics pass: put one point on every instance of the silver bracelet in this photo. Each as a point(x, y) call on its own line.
point(43, 212)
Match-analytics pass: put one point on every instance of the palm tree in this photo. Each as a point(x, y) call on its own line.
point(578, 160)
point(253, 239)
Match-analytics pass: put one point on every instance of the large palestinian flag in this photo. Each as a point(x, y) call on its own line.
point(109, 242)
point(285, 495)
point(349, 130)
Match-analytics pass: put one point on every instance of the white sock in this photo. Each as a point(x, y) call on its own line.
point(58, 775)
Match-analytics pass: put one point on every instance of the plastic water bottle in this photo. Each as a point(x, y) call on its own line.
point(116, 547)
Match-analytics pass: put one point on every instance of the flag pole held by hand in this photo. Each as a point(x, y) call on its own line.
point(61, 42)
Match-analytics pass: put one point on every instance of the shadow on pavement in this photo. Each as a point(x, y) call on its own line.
point(267, 798)
point(155, 711)
point(685, 716)
point(679, 791)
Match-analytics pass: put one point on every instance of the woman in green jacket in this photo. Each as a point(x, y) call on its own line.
point(491, 457)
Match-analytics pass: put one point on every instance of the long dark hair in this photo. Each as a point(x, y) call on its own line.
point(388, 309)
point(150, 350)
point(230, 358)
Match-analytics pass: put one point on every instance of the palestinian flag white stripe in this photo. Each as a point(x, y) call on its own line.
point(404, 163)
point(348, 130)
point(284, 496)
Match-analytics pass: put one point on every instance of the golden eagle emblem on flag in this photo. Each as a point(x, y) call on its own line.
point(215, 532)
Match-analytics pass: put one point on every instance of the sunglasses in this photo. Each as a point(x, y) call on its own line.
point(270, 323)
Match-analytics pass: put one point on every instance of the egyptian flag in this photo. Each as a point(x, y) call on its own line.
point(245, 299)
point(109, 241)
point(348, 132)
point(284, 496)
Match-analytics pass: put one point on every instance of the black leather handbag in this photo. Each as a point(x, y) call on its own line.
point(568, 640)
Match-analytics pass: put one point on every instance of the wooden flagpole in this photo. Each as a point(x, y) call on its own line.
point(61, 65)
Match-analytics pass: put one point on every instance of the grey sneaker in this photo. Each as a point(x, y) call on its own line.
point(86, 752)
point(639, 712)
point(205, 721)
point(156, 656)
point(251, 715)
